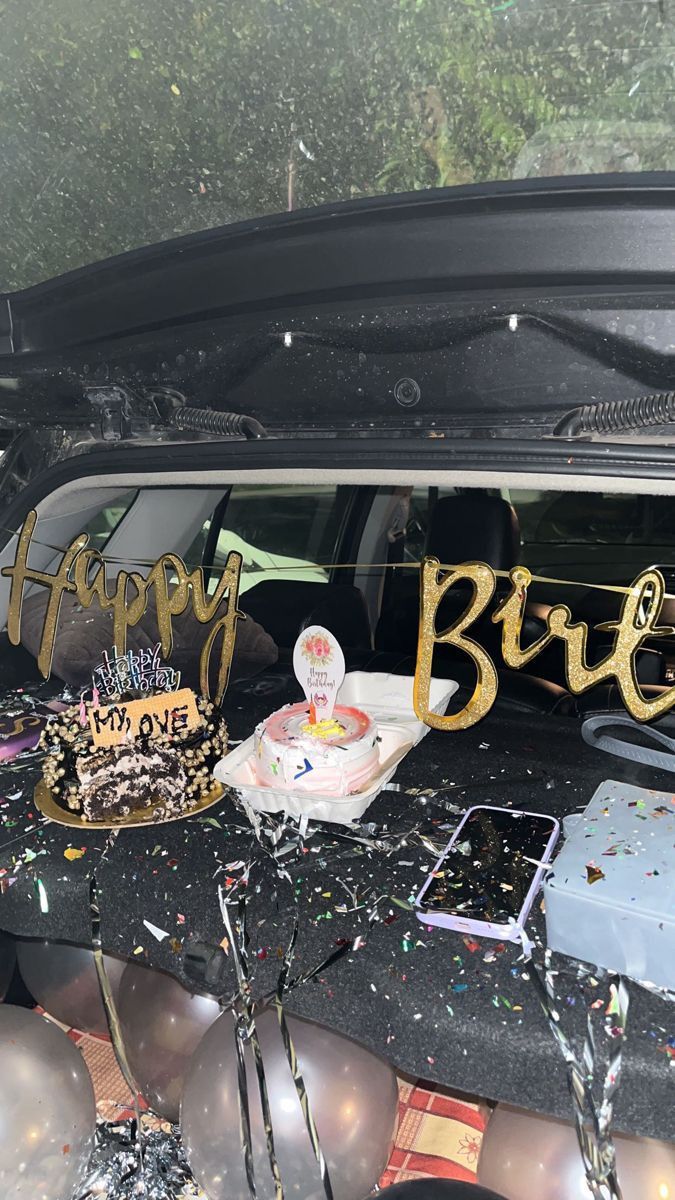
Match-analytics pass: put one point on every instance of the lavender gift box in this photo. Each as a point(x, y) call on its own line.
point(610, 896)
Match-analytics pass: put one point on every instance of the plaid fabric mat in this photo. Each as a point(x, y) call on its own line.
point(439, 1134)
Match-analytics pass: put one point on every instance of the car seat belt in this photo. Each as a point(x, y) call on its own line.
point(662, 760)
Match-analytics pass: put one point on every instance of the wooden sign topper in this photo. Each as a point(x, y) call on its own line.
point(114, 724)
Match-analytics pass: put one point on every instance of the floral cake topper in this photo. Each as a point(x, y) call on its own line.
point(319, 665)
point(316, 648)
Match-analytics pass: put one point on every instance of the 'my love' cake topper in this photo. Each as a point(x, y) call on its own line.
point(319, 666)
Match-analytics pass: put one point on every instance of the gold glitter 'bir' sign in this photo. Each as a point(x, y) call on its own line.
point(82, 572)
point(636, 625)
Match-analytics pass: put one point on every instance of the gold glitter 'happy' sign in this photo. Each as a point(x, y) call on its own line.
point(82, 572)
point(637, 624)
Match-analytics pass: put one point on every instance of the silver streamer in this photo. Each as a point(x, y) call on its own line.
point(592, 1121)
point(245, 1033)
point(107, 996)
point(114, 1169)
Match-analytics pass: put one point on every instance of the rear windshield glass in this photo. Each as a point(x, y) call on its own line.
point(128, 123)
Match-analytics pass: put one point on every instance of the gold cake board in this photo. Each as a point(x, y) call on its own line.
point(49, 807)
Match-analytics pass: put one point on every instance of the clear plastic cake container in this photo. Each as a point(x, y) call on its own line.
point(237, 770)
point(388, 699)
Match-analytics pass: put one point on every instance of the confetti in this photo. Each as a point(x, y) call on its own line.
point(471, 945)
point(42, 896)
point(156, 932)
point(72, 853)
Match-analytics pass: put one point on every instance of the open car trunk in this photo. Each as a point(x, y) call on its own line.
point(335, 397)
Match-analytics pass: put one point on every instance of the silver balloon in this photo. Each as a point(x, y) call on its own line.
point(63, 980)
point(353, 1097)
point(162, 1025)
point(47, 1109)
point(524, 1155)
point(7, 961)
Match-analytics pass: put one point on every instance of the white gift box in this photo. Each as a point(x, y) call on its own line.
point(625, 919)
point(388, 700)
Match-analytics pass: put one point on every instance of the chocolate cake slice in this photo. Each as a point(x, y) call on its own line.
point(127, 779)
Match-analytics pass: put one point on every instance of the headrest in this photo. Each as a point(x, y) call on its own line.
point(289, 605)
point(81, 638)
point(474, 527)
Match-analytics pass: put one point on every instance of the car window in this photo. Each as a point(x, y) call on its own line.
point(103, 525)
point(420, 506)
point(604, 537)
point(130, 122)
point(549, 518)
point(282, 532)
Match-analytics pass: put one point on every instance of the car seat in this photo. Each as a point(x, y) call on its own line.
point(285, 606)
point(473, 527)
point(481, 528)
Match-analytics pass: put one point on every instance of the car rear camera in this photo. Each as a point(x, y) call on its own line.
point(407, 392)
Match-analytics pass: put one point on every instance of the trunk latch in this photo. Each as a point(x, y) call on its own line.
point(113, 409)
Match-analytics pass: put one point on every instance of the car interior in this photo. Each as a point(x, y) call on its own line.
point(345, 555)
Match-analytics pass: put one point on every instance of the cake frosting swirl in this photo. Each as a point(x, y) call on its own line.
point(333, 757)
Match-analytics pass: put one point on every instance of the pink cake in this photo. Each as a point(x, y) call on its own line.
point(333, 758)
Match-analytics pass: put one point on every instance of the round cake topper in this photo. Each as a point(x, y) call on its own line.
point(319, 666)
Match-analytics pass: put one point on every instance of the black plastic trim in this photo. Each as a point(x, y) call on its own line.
point(351, 530)
point(6, 331)
point(589, 231)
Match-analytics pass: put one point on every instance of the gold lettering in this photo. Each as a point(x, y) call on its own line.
point(637, 623)
point(511, 612)
point(205, 610)
point(432, 591)
point(126, 612)
point(20, 574)
point(169, 604)
point(82, 571)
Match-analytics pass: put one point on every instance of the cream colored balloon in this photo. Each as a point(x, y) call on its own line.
point(47, 1109)
point(525, 1156)
point(352, 1093)
point(162, 1024)
point(62, 979)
